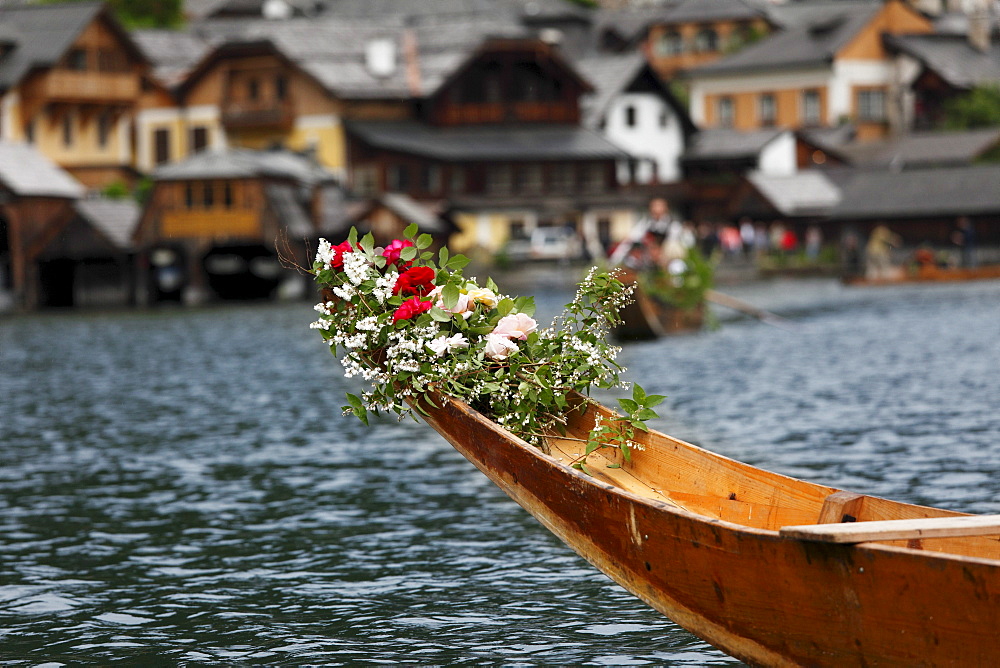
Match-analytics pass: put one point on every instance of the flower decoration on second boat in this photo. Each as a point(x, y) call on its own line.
point(407, 320)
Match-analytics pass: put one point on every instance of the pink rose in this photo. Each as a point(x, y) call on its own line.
point(515, 326)
point(395, 247)
point(411, 308)
point(498, 347)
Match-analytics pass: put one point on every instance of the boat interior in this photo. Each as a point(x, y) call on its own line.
point(681, 475)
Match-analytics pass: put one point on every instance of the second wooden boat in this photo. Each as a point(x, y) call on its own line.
point(772, 570)
point(650, 318)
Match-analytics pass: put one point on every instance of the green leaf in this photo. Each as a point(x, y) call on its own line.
point(443, 256)
point(355, 401)
point(525, 305)
point(628, 405)
point(654, 400)
point(591, 446)
point(457, 262)
point(647, 414)
point(578, 465)
point(450, 295)
point(367, 243)
point(626, 452)
point(614, 466)
point(638, 394)
point(438, 315)
point(408, 253)
point(424, 240)
point(411, 230)
point(505, 306)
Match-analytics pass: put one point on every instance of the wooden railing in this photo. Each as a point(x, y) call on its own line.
point(461, 114)
point(268, 113)
point(210, 224)
point(87, 86)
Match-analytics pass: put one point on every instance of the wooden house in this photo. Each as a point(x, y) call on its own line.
point(70, 81)
point(826, 65)
point(215, 223)
point(499, 135)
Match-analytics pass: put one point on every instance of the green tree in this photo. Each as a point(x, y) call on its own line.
point(978, 108)
point(144, 13)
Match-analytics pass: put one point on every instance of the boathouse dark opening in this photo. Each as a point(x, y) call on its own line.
point(167, 275)
point(249, 271)
point(6, 268)
point(56, 282)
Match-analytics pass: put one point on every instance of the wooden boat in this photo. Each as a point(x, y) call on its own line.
point(929, 273)
point(772, 570)
point(650, 318)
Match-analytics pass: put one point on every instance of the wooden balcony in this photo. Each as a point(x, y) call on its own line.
point(263, 114)
point(61, 85)
point(210, 224)
point(522, 112)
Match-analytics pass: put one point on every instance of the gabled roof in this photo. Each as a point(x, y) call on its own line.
point(44, 33)
point(633, 22)
point(612, 76)
point(805, 193)
point(244, 163)
point(486, 143)
point(951, 57)
point(812, 34)
point(922, 149)
point(173, 53)
point(27, 173)
point(920, 193)
point(116, 220)
point(729, 144)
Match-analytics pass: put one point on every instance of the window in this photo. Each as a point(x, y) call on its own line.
point(630, 115)
point(29, 131)
point(67, 129)
point(227, 195)
point(189, 195)
point(76, 60)
point(281, 86)
point(199, 138)
point(871, 105)
point(430, 178)
point(594, 177)
point(364, 178)
point(103, 129)
point(498, 179)
point(457, 179)
point(810, 107)
point(253, 90)
point(725, 112)
point(161, 146)
point(664, 118)
point(563, 177)
point(707, 40)
point(670, 43)
point(208, 195)
point(529, 179)
point(766, 109)
point(397, 178)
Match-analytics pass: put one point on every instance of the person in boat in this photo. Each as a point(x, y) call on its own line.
point(878, 252)
point(651, 230)
point(965, 238)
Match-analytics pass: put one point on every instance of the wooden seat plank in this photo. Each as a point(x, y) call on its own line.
point(909, 529)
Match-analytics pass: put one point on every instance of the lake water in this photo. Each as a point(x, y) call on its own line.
point(179, 486)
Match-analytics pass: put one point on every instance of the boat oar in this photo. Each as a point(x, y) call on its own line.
point(739, 305)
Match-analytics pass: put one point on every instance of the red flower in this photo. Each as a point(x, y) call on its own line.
point(337, 261)
point(411, 308)
point(416, 281)
point(395, 247)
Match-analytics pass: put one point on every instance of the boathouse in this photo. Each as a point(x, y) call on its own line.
point(215, 224)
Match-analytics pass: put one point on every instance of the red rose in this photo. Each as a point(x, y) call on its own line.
point(416, 281)
point(395, 247)
point(411, 308)
point(337, 261)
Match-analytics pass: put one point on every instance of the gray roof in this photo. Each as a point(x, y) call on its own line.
point(632, 22)
point(450, 10)
point(28, 173)
point(332, 50)
point(244, 163)
point(805, 193)
point(729, 144)
point(172, 52)
point(922, 149)
point(115, 219)
point(920, 193)
point(812, 34)
point(286, 204)
point(951, 57)
point(413, 211)
point(43, 33)
point(610, 76)
point(485, 143)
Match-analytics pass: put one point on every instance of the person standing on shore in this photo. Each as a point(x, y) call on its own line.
point(965, 238)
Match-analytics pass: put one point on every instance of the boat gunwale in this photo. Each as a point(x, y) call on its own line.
point(680, 511)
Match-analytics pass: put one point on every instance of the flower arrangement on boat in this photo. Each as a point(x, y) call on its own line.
point(408, 321)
